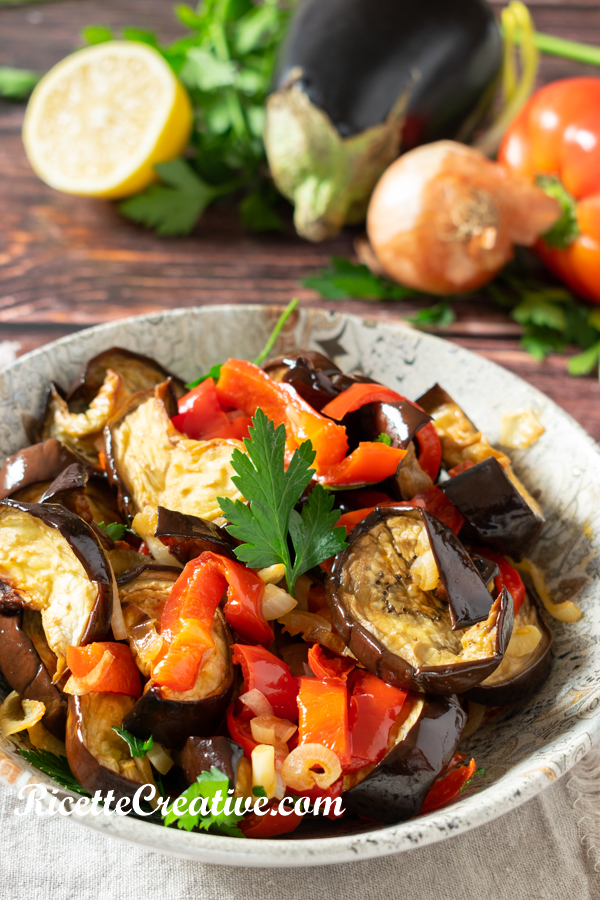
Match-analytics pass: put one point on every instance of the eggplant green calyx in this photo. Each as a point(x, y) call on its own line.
point(329, 179)
point(566, 229)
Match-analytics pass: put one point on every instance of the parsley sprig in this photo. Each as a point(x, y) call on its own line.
point(56, 767)
point(137, 747)
point(206, 785)
point(270, 529)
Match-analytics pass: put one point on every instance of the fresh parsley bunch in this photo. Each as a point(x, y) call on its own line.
point(206, 785)
point(271, 529)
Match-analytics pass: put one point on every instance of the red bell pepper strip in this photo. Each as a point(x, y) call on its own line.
point(374, 708)
point(323, 715)
point(240, 732)
point(270, 825)
point(333, 791)
point(189, 612)
point(326, 665)
point(461, 467)
point(358, 395)
point(439, 506)
point(200, 414)
point(369, 463)
point(265, 672)
point(237, 429)
point(430, 450)
point(350, 519)
point(447, 788)
point(508, 577)
point(121, 677)
point(242, 385)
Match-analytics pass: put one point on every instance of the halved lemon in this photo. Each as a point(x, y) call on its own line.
point(99, 121)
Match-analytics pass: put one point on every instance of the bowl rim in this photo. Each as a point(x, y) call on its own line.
point(507, 793)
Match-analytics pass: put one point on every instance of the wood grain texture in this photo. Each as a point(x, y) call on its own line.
point(68, 262)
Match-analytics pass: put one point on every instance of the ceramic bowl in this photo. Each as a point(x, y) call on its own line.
point(525, 748)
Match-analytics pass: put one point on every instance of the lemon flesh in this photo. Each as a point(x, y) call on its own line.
point(99, 121)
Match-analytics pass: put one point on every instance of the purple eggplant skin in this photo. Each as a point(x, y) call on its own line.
point(87, 548)
point(139, 372)
point(24, 670)
point(496, 513)
point(85, 721)
point(200, 754)
point(396, 788)
point(526, 682)
point(188, 536)
point(170, 722)
point(355, 58)
point(41, 462)
point(389, 666)
point(314, 376)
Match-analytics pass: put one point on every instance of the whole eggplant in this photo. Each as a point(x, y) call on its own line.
point(358, 81)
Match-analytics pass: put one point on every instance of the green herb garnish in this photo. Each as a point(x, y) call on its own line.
point(56, 767)
point(206, 785)
point(267, 525)
point(344, 279)
point(440, 314)
point(115, 530)
point(17, 84)
point(477, 772)
point(566, 229)
point(259, 791)
point(136, 746)
point(384, 439)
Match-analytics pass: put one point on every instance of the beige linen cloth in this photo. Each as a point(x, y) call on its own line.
point(545, 850)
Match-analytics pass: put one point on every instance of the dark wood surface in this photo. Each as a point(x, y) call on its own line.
point(67, 263)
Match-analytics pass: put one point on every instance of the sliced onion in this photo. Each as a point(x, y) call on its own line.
point(297, 769)
point(117, 622)
point(160, 758)
point(562, 612)
point(17, 714)
point(276, 602)
point(256, 701)
point(520, 430)
point(524, 640)
point(144, 524)
point(424, 572)
point(43, 739)
point(272, 574)
point(146, 644)
point(263, 769)
point(271, 730)
point(243, 782)
point(80, 686)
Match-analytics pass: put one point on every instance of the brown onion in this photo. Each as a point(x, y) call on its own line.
point(444, 218)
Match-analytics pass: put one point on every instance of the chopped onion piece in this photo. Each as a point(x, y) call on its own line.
point(567, 611)
point(144, 524)
point(520, 430)
point(424, 573)
point(263, 769)
point(256, 701)
point(80, 686)
point(160, 758)
point(297, 769)
point(243, 783)
point(272, 574)
point(17, 714)
point(276, 602)
point(271, 730)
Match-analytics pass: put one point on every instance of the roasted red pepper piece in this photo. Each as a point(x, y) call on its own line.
point(374, 708)
point(189, 612)
point(350, 519)
point(326, 665)
point(323, 715)
point(121, 677)
point(265, 672)
point(240, 732)
point(508, 577)
point(447, 788)
point(242, 385)
point(430, 450)
point(369, 463)
point(200, 414)
point(461, 467)
point(358, 395)
point(272, 824)
point(439, 506)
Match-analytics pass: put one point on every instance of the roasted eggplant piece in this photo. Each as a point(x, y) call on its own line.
point(423, 746)
point(172, 716)
point(87, 497)
point(188, 536)
point(37, 465)
point(139, 373)
point(520, 673)
point(314, 376)
point(199, 754)
point(52, 561)
point(153, 465)
point(26, 671)
point(402, 597)
point(361, 79)
point(496, 513)
point(99, 759)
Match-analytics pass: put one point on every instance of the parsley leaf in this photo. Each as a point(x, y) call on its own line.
point(56, 767)
point(384, 439)
point(441, 314)
point(207, 785)
point(136, 746)
point(479, 771)
point(259, 791)
point(97, 34)
point(583, 363)
point(345, 279)
point(174, 206)
point(17, 84)
point(273, 492)
point(114, 530)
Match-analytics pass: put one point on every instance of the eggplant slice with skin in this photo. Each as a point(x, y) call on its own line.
point(358, 81)
point(186, 537)
point(200, 754)
point(394, 789)
point(153, 464)
point(99, 759)
point(89, 497)
point(402, 596)
point(52, 561)
point(38, 466)
point(138, 372)
point(521, 672)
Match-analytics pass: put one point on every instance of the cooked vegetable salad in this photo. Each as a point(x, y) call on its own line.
point(284, 581)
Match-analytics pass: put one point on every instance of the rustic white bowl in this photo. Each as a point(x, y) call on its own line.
point(527, 747)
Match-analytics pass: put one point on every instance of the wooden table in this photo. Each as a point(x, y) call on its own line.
point(67, 263)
